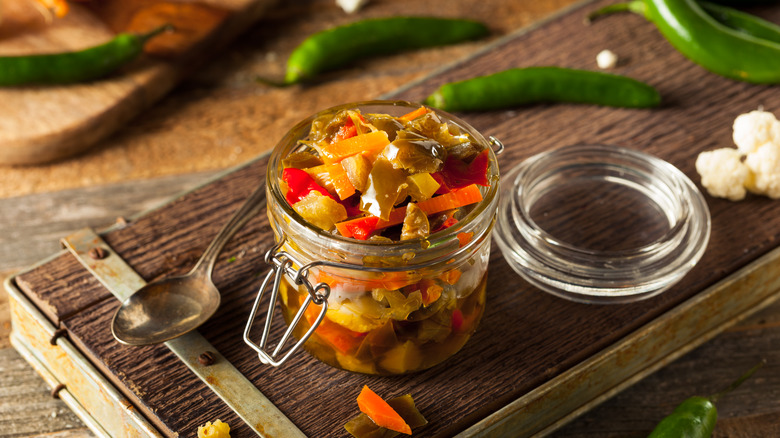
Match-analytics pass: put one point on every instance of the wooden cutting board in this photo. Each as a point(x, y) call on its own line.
point(44, 123)
point(530, 345)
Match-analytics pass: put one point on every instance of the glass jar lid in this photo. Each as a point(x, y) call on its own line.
point(600, 224)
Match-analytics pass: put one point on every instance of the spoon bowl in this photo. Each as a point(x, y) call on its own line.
point(160, 311)
point(166, 309)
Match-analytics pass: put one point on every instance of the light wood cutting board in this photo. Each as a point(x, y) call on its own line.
point(39, 124)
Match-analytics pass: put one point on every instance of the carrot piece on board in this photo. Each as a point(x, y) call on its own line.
point(380, 412)
point(421, 111)
point(372, 141)
point(59, 8)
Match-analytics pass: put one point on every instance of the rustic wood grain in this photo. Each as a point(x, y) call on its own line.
point(25, 400)
point(220, 117)
point(43, 123)
point(750, 411)
point(34, 224)
point(526, 337)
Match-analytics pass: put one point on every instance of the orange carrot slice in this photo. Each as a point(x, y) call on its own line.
point(380, 412)
point(59, 8)
point(373, 141)
point(421, 111)
point(457, 198)
point(333, 175)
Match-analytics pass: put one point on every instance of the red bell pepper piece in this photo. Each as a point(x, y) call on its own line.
point(457, 174)
point(300, 184)
point(457, 320)
point(346, 131)
point(442, 185)
point(352, 205)
point(446, 224)
point(362, 229)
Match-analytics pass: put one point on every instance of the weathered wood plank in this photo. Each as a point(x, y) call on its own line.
point(753, 410)
point(32, 225)
point(26, 405)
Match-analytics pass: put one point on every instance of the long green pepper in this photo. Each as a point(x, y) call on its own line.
point(696, 416)
point(335, 47)
point(743, 22)
point(521, 86)
point(732, 53)
point(78, 66)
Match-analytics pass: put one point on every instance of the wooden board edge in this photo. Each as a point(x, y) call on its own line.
point(69, 374)
point(648, 349)
point(149, 81)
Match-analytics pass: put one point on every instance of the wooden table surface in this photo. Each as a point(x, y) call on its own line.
point(199, 130)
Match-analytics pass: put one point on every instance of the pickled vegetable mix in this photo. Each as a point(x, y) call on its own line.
point(376, 176)
point(375, 183)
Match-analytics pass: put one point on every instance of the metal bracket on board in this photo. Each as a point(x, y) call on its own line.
point(213, 369)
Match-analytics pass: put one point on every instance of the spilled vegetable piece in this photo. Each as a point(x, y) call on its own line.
point(218, 429)
point(80, 66)
point(363, 427)
point(380, 412)
point(696, 416)
point(338, 46)
point(362, 175)
point(521, 86)
point(729, 52)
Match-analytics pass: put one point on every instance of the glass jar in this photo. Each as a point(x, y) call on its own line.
point(393, 307)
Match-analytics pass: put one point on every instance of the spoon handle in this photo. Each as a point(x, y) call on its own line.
point(253, 203)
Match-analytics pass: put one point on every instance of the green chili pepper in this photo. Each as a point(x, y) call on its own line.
point(744, 22)
point(520, 86)
point(79, 66)
point(702, 39)
point(338, 46)
point(696, 416)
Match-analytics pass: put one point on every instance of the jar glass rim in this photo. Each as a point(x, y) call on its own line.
point(420, 245)
point(601, 275)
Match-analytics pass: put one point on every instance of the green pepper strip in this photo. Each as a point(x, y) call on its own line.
point(520, 86)
point(696, 416)
point(728, 52)
point(742, 21)
point(338, 46)
point(79, 66)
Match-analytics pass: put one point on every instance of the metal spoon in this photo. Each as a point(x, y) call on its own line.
point(169, 308)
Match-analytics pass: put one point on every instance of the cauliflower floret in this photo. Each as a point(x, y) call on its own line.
point(216, 430)
point(755, 129)
point(765, 165)
point(606, 59)
point(723, 173)
point(351, 6)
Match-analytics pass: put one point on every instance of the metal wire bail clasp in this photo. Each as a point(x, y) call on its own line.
point(283, 264)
